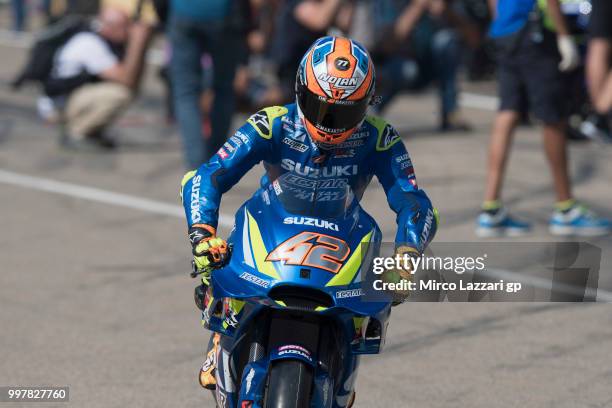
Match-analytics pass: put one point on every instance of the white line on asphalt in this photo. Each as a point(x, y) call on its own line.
point(477, 101)
point(99, 195)
point(541, 283)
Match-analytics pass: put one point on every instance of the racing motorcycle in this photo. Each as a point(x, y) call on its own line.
point(289, 304)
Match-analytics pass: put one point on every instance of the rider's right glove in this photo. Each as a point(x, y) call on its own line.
point(209, 251)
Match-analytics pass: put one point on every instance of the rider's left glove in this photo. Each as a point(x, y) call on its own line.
point(209, 251)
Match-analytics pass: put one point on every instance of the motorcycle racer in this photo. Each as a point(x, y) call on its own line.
point(326, 135)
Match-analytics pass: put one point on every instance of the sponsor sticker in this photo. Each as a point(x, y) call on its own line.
point(311, 222)
point(343, 294)
point(295, 350)
point(255, 279)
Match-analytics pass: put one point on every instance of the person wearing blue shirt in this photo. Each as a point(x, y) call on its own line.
point(511, 16)
point(531, 62)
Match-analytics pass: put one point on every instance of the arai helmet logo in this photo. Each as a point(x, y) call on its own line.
point(312, 222)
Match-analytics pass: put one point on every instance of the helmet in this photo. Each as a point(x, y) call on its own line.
point(334, 87)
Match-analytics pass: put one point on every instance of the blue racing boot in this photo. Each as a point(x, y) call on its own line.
point(494, 221)
point(572, 218)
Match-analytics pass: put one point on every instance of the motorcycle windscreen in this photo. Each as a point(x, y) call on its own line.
point(316, 195)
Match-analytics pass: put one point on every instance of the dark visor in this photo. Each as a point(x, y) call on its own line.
point(331, 117)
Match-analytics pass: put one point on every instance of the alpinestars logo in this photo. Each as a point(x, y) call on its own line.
point(195, 199)
point(388, 138)
point(260, 121)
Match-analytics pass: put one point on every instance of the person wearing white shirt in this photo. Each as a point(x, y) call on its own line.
point(92, 107)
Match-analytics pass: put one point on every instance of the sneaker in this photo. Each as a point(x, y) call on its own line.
point(500, 224)
point(596, 128)
point(208, 371)
point(578, 221)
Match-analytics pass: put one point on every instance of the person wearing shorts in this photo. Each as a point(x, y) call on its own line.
point(531, 62)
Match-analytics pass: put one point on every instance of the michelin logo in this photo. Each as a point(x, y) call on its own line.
point(311, 222)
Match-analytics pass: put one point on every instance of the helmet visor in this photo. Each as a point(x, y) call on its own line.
point(331, 118)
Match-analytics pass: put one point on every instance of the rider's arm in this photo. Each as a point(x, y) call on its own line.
point(416, 219)
point(202, 188)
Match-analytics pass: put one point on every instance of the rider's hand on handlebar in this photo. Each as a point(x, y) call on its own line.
point(403, 272)
point(209, 251)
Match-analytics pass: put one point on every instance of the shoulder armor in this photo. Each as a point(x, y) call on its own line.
point(263, 120)
point(387, 136)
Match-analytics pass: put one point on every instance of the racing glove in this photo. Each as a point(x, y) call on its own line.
point(209, 251)
point(403, 273)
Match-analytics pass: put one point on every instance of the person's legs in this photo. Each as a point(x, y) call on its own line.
point(446, 57)
point(225, 52)
point(598, 66)
point(91, 108)
point(604, 102)
point(555, 146)
point(446, 51)
point(499, 151)
point(19, 14)
point(547, 99)
point(186, 77)
point(494, 220)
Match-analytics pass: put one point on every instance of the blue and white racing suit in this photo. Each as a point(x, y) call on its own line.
point(276, 136)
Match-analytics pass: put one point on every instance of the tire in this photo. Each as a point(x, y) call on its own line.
point(289, 385)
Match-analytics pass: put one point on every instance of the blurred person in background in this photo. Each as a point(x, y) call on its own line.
point(299, 24)
point(599, 73)
point(216, 27)
point(530, 64)
point(20, 11)
point(106, 63)
point(417, 42)
point(256, 82)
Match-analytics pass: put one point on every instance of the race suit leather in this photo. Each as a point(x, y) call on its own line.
point(277, 137)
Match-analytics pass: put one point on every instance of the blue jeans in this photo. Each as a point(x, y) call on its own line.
point(189, 40)
point(19, 14)
point(441, 64)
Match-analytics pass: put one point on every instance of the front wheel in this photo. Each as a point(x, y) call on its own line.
point(289, 385)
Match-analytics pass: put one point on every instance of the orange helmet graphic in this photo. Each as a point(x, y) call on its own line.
point(334, 87)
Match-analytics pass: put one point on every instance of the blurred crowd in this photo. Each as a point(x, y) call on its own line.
point(228, 55)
